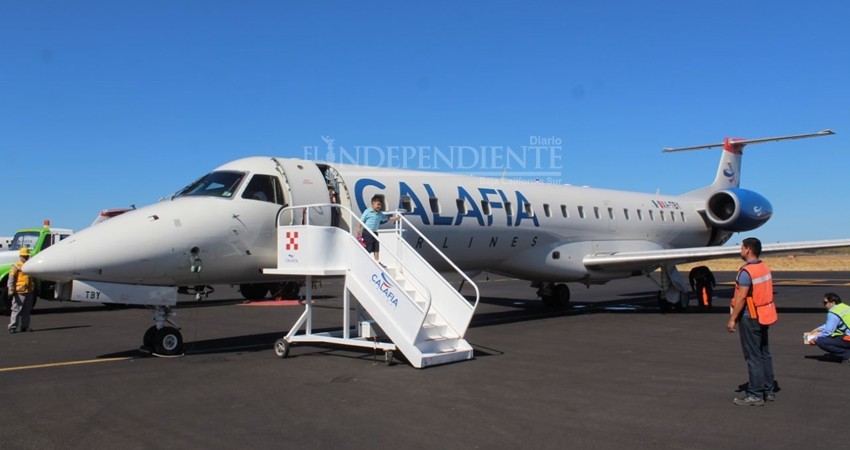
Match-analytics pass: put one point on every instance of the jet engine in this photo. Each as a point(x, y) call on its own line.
point(737, 209)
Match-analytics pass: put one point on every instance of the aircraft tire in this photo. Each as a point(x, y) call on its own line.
point(5, 301)
point(290, 289)
point(147, 340)
point(168, 341)
point(254, 291)
point(562, 292)
point(552, 301)
point(281, 348)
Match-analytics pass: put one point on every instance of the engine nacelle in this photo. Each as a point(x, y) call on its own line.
point(737, 209)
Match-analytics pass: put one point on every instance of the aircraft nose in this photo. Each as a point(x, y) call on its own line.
point(103, 252)
point(53, 264)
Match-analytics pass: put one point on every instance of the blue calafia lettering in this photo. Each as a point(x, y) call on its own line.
point(521, 201)
point(358, 188)
point(485, 196)
point(385, 289)
point(496, 198)
point(471, 207)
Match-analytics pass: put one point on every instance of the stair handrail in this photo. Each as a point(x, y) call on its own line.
point(440, 253)
point(353, 218)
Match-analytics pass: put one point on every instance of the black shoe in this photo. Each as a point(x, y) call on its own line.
point(750, 400)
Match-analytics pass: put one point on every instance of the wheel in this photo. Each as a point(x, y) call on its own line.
point(562, 292)
point(5, 300)
point(290, 290)
point(552, 301)
point(254, 291)
point(388, 357)
point(281, 348)
point(147, 340)
point(168, 341)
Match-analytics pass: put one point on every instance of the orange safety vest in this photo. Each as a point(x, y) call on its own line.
point(760, 303)
point(23, 283)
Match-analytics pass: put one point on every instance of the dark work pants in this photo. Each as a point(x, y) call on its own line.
point(756, 348)
point(834, 346)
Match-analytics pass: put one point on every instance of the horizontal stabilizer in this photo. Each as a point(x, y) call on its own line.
point(742, 142)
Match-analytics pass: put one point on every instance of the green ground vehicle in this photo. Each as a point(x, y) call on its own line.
point(37, 239)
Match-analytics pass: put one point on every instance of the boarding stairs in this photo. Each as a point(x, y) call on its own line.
point(400, 303)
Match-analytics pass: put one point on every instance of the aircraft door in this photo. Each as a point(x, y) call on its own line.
point(306, 185)
point(337, 193)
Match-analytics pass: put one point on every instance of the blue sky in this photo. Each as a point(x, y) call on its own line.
point(107, 104)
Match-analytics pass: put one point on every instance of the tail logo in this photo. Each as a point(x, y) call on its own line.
point(729, 172)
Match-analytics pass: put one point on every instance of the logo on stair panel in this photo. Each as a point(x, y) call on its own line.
point(291, 240)
point(385, 286)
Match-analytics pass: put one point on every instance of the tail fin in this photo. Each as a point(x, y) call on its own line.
point(729, 170)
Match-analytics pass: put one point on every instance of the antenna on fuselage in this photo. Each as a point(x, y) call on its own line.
point(742, 142)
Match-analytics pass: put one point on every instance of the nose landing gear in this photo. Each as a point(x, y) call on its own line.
point(161, 339)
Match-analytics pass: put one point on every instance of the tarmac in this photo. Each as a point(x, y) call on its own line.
point(612, 371)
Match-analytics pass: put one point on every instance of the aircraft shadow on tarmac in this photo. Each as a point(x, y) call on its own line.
point(641, 302)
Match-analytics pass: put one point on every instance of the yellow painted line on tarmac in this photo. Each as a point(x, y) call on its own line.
point(62, 364)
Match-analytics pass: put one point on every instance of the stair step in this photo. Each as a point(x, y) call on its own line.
point(436, 331)
point(441, 345)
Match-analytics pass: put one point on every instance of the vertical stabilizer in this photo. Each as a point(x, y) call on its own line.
point(729, 170)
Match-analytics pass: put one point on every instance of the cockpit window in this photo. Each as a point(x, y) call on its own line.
point(265, 188)
point(215, 184)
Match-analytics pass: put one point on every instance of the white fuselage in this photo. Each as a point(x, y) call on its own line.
point(532, 231)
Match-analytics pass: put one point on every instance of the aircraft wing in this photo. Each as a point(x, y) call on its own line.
point(625, 260)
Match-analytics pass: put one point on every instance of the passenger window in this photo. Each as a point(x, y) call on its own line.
point(529, 211)
point(546, 211)
point(509, 208)
point(596, 211)
point(626, 213)
point(461, 206)
point(651, 215)
point(581, 211)
point(435, 205)
point(406, 204)
point(485, 207)
point(564, 211)
point(683, 216)
point(611, 213)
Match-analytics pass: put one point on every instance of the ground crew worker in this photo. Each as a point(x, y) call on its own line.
point(753, 308)
point(21, 289)
point(833, 336)
point(702, 282)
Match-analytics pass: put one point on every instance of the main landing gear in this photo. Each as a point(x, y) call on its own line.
point(164, 338)
point(553, 295)
point(673, 292)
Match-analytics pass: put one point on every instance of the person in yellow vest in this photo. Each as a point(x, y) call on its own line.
point(833, 336)
point(22, 293)
point(753, 310)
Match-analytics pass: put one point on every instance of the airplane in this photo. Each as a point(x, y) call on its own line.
point(221, 229)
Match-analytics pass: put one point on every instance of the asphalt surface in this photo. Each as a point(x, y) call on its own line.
point(612, 371)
